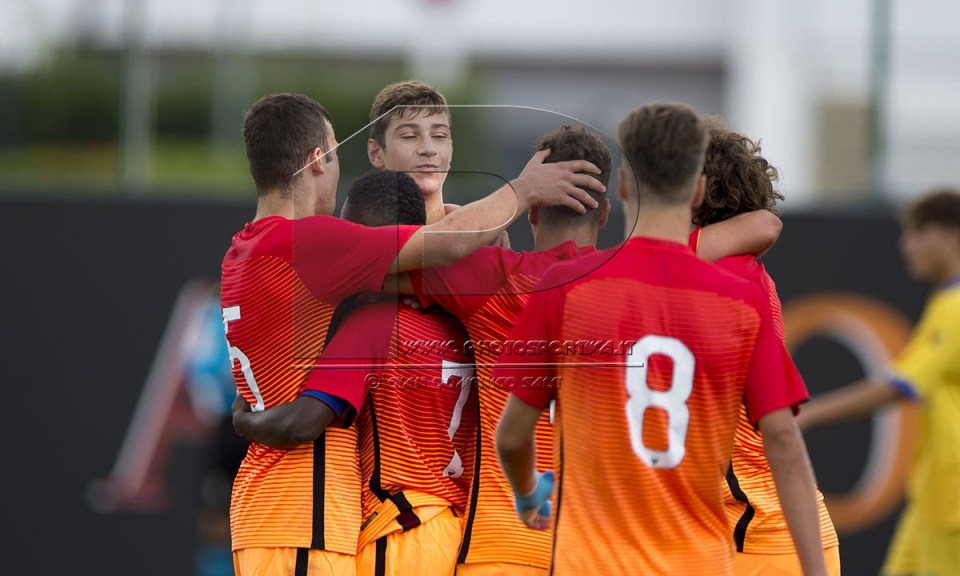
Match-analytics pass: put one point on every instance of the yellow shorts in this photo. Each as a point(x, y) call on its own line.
point(781, 564)
point(921, 548)
point(499, 569)
point(430, 549)
point(293, 561)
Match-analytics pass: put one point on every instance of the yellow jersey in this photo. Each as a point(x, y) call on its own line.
point(928, 370)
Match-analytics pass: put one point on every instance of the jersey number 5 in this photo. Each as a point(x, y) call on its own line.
point(673, 401)
point(230, 314)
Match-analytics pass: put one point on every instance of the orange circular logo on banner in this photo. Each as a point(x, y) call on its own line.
point(874, 333)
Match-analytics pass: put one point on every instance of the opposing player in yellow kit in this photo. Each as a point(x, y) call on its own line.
point(927, 540)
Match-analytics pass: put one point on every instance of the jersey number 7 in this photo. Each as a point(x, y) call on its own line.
point(465, 373)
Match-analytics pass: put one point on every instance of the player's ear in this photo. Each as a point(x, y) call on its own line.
point(533, 215)
point(700, 191)
point(604, 214)
point(375, 153)
point(315, 159)
point(622, 189)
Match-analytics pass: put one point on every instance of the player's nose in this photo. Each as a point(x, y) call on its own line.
point(427, 148)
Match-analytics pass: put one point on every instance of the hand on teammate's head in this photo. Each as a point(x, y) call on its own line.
point(558, 183)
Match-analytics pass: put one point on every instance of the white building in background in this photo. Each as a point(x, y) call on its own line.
point(795, 74)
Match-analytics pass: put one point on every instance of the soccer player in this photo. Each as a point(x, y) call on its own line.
point(282, 278)
point(740, 180)
point(420, 416)
point(487, 291)
point(645, 420)
point(411, 133)
point(927, 539)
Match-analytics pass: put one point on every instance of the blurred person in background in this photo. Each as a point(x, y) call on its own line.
point(927, 371)
point(212, 391)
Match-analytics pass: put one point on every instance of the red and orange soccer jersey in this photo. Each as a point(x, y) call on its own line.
point(487, 291)
point(752, 503)
point(417, 429)
point(753, 507)
point(281, 281)
point(645, 425)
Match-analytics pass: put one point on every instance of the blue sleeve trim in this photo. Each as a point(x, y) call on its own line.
point(905, 388)
point(338, 405)
point(955, 281)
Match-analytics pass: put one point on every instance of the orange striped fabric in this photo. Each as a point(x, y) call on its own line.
point(753, 507)
point(487, 291)
point(423, 395)
point(281, 281)
point(645, 427)
point(493, 533)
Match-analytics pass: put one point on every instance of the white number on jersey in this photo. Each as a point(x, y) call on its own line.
point(230, 314)
point(673, 401)
point(465, 371)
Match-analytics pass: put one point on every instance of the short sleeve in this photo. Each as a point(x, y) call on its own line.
point(355, 353)
point(464, 287)
point(773, 381)
point(336, 258)
point(529, 358)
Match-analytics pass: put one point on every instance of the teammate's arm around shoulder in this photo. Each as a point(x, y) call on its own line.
point(796, 488)
point(749, 233)
point(479, 223)
point(285, 426)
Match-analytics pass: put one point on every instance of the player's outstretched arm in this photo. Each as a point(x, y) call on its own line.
point(518, 456)
point(749, 233)
point(284, 426)
point(479, 223)
point(796, 487)
point(849, 402)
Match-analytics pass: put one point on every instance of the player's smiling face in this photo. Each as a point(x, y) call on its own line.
point(421, 146)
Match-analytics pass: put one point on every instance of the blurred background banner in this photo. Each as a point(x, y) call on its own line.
point(123, 178)
point(100, 286)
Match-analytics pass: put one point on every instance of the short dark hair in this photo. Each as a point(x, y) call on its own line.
point(663, 145)
point(739, 179)
point(279, 131)
point(383, 198)
point(576, 143)
point(940, 207)
point(414, 97)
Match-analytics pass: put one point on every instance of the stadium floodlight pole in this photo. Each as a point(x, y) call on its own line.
point(233, 74)
point(135, 115)
point(879, 99)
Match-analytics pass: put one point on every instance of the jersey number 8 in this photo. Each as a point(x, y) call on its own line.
point(673, 401)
